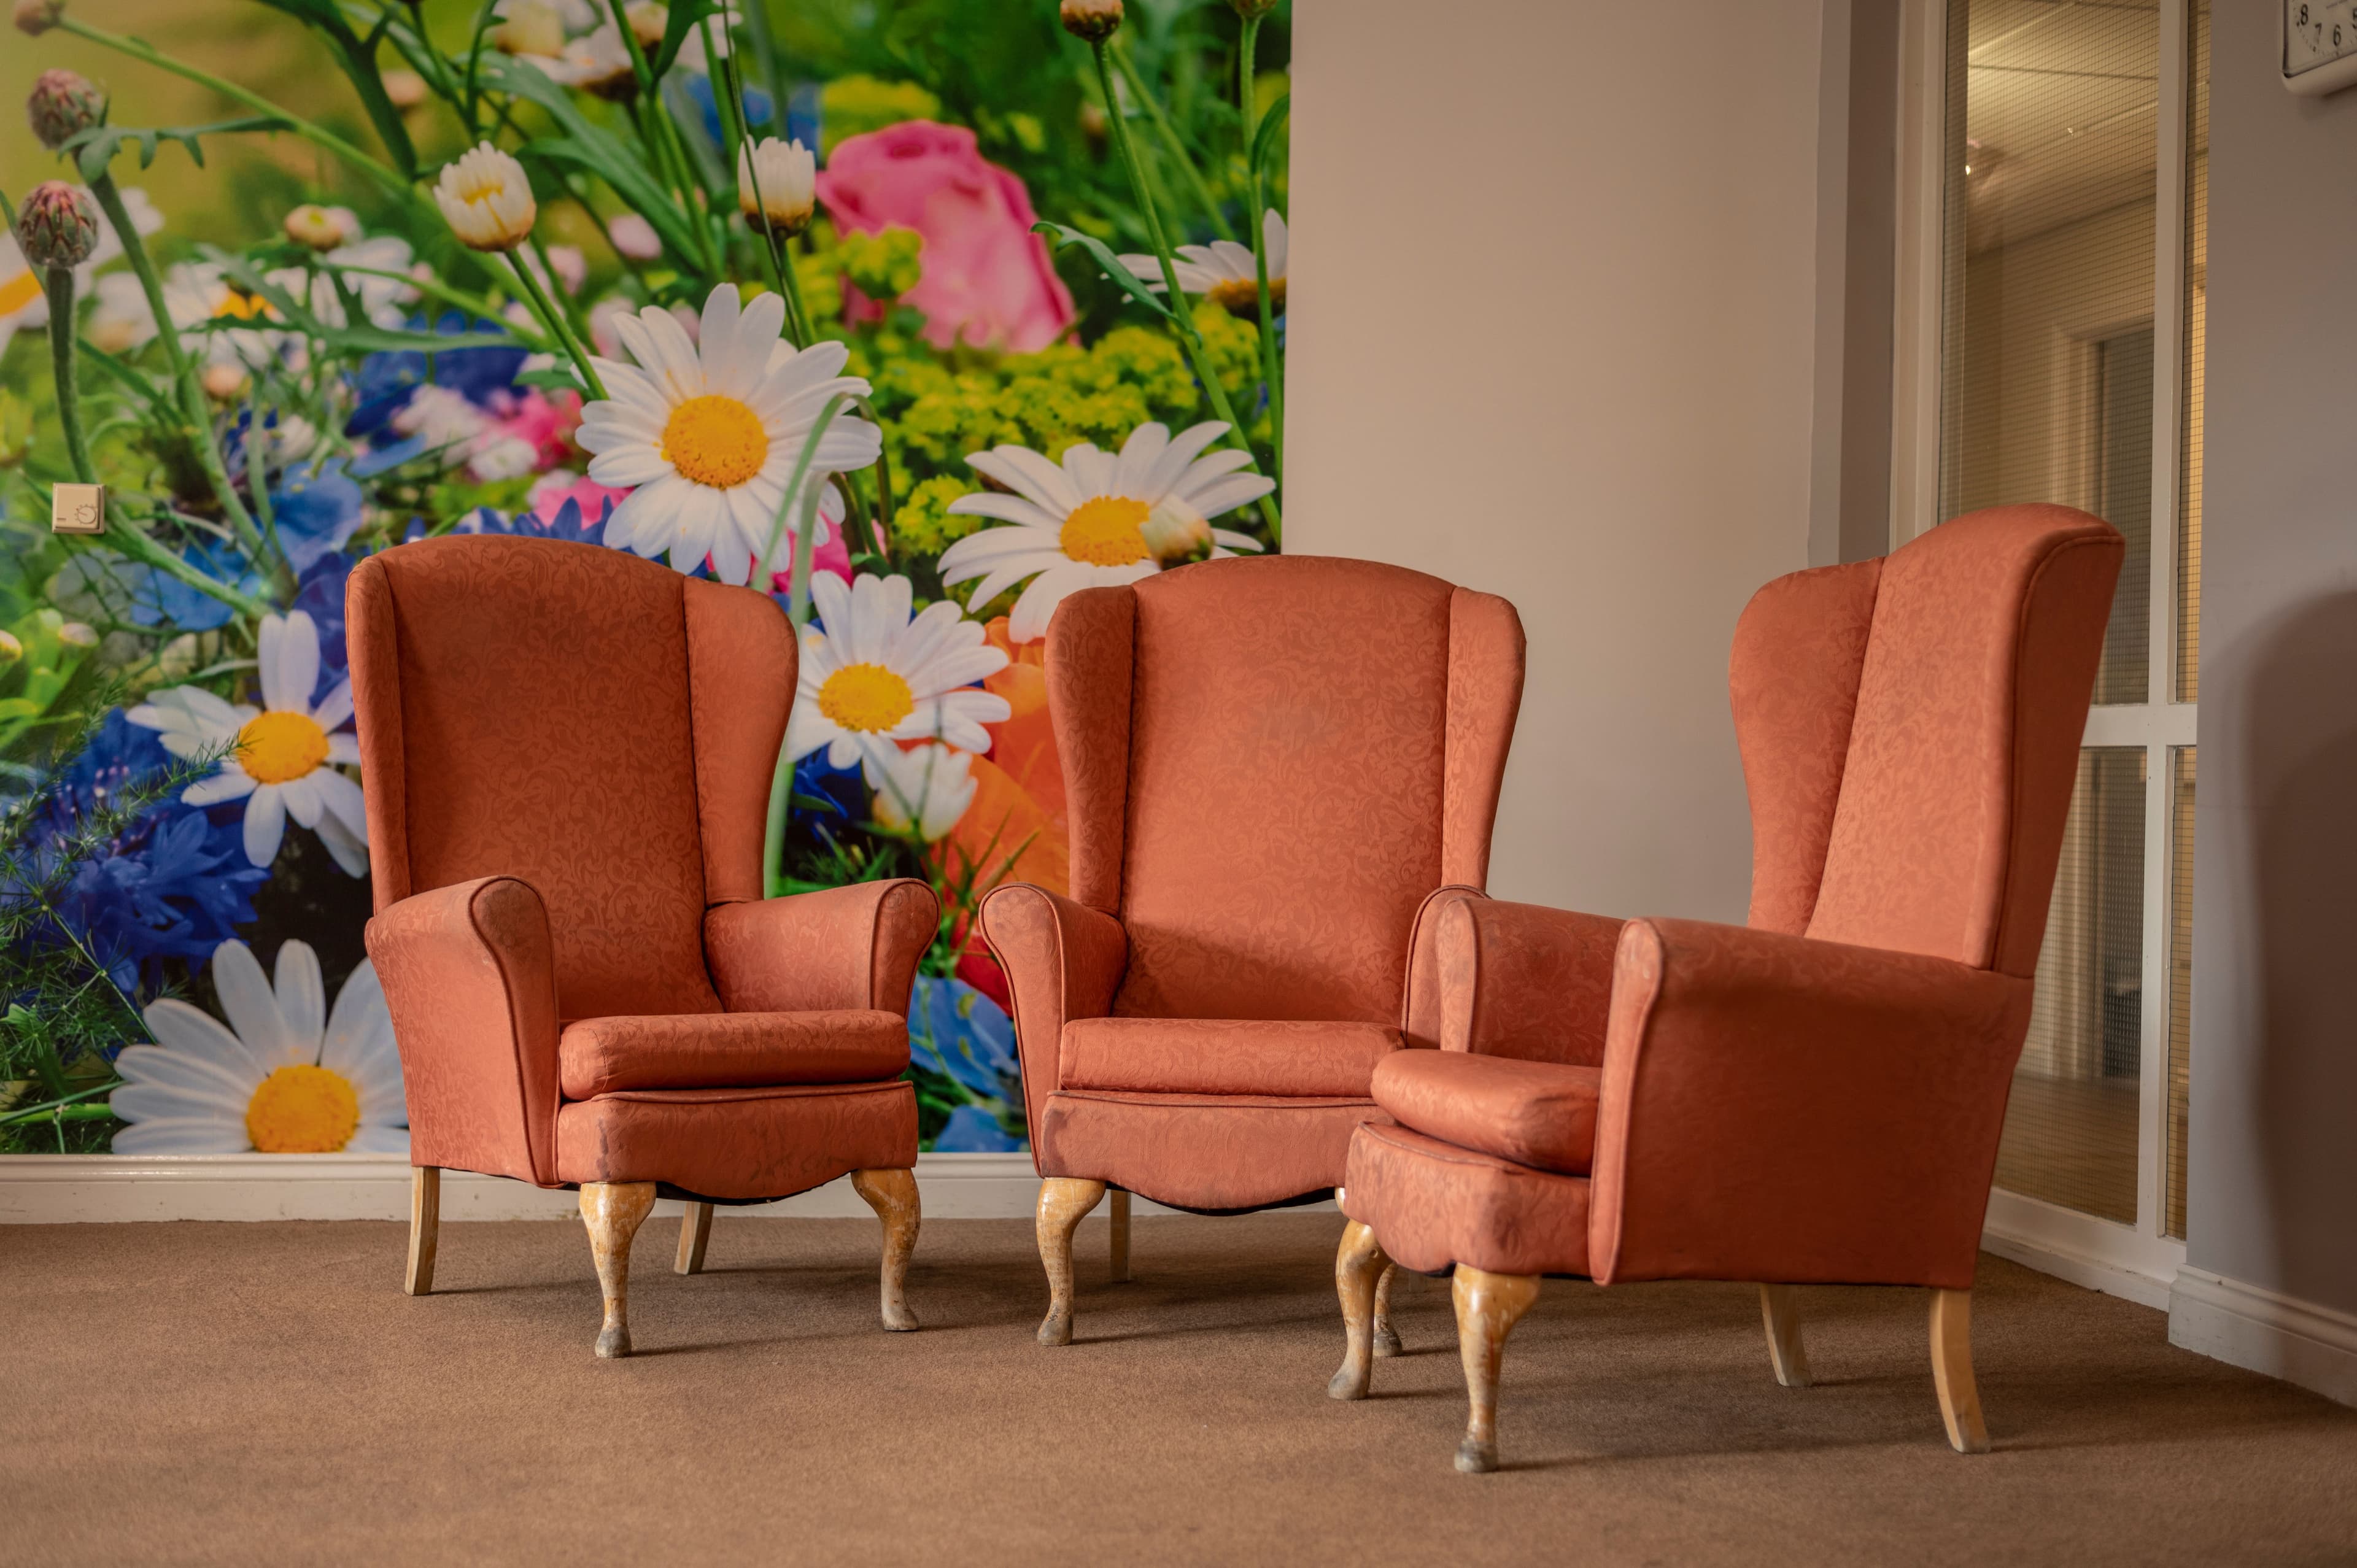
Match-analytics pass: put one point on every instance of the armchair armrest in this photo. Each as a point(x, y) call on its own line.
point(1420, 997)
point(841, 947)
point(469, 979)
point(1064, 960)
point(1792, 1111)
point(1523, 980)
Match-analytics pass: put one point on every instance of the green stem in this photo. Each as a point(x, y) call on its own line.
point(765, 57)
point(51, 1107)
point(319, 135)
point(136, 542)
point(732, 121)
point(60, 285)
point(573, 317)
point(782, 779)
point(1180, 317)
point(797, 319)
point(184, 378)
point(553, 320)
point(473, 305)
point(1272, 371)
point(1169, 135)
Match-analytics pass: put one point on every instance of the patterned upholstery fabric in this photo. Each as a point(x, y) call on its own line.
point(567, 754)
point(1817, 1096)
point(1270, 765)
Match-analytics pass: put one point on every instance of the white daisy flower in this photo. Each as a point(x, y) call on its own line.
point(1223, 270)
point(286, 1076)
point(199, 293)
point(709, 431)
point(925, 789)
point(872, 675)
point(22, 302)
point(281, 758)
point(1099, 518)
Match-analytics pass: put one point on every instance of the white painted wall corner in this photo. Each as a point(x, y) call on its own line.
point(2265, 1331)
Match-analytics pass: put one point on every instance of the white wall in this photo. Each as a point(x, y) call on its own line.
point(2272, 1182)
point(1552, 302)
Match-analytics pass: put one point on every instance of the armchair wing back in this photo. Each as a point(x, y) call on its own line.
point(1270, 765)
point(1816, 1096)
point(1909, 729)
point(568, 754)
point(560, 714)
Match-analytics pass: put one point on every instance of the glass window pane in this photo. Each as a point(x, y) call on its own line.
point(2197, 321)
point(2048, 373)
point(2181, 974)
point(2071, 1127)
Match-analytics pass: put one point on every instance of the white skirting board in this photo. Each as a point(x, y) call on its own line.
point(2250, 1325)
point(52, 1189)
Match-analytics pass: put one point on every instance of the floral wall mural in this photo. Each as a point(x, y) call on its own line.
point(919, 315)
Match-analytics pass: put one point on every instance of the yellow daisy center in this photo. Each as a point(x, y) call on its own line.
point(276, 746)
point(867, 697)
point(1241, 297)
point(1107, 532)
point(303, 1109)
point(238, 305)
point(716, 441)
point(18, 292)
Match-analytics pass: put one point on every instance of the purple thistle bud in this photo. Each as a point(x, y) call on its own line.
point(57, 226)
point(64, 103)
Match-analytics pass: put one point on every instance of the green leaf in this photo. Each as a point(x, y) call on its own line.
point(240, 272)
point(592, 148)
point(390, 340)
point(95, 148)
point(555, 378)
point(1130, 284)
point(683, 15)
point(1271, 126)
point(357, 56)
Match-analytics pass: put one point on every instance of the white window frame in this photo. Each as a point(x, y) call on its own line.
point(2135, 1260)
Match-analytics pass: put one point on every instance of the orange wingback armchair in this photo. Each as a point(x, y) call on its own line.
point(1272, 769)
point(1815, 1097)
point(567, 753)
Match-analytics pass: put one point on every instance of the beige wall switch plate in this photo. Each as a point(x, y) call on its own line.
point(77, 508)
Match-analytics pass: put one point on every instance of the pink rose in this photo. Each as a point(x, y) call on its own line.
point(554, 488)
point(988, 279)
point(545, 424)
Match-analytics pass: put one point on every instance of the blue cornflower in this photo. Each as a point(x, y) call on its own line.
point(319, 594)
point(956, 1031)
point(316, 508)
point(174, 884)
point(386, 382)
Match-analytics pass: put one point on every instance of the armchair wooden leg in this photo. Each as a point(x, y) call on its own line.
point(1063, 1200)
point(1487, 1307)
point(695, 1235)
point(1121, 1275)
point(1387, 1340)
point(1952, 1371)
point(1356, 1265)
point(892, 1194)
point(613, 1211)
point(1780, 1308)
point(425, 1227)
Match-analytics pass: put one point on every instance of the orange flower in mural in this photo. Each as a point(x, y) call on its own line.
point(1019, 803)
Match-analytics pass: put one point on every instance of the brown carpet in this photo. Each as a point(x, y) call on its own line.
point(264, 1394)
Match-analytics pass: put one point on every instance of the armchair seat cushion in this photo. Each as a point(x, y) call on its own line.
point(1433, 1204)
point(1225, 1055)
point(729, 1050)
point(1535, 1113)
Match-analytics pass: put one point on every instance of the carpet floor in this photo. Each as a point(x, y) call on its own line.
point(263, 1393)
